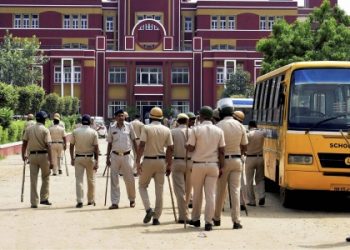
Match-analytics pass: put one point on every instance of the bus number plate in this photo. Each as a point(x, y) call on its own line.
point(341, 188)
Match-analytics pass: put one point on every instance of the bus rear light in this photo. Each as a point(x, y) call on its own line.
point(300, 159)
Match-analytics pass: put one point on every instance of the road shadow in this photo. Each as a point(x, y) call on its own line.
point(328, 245)
point(139, 225)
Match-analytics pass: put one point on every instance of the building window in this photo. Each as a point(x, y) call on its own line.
point(222, 22)
point(117, 75)
point(35, 21)
point(149, 76)
point(271, 22)
point(188, 24)
point(114, 106)
point(149, 26)
point(18, 21)
point(67, 74)
point(66, 22)
point(25, 21)
point(187, 46)
point(75, 21)
point(231, 22)
point(110, 45)
point(179, 75)
point(222, 47)
point(109, 23)
point(263, 23)
point(84, 22)
point(214, 22)
point(74, 46)
point(220, 79)
point(181, 106)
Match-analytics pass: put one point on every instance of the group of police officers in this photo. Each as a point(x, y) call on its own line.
point(201, 153)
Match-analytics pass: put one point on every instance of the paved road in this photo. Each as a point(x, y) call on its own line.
point(319, 221)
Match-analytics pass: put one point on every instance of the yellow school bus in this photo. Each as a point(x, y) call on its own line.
point(305, 108)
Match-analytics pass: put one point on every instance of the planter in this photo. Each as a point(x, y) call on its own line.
point(10, 148)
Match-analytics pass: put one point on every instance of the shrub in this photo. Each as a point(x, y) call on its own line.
point(8, 96)
point(24, 100)
point(6, 116)
point(4, 136)
point(50, 104)
point(37, 97)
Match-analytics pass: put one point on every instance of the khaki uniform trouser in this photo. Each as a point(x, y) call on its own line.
point(82, 163)
point(182, 185)
point(204, 175)
point(255, 165)
point(152, 168)
point(243, 198)
point(231, 175)
point(39, 161)
point(122, 163)
point(56, 153)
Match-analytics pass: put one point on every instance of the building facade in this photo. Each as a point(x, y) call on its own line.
point(168, 53)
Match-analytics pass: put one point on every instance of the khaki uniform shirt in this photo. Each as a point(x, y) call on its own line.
point(137, 125)
point(235, 135)
point(180, 138)
point(121, 138)
point(84, 138)
point(157, 137)
point(57, 133)
point(29, 124)
point(256, 141)
point(207, 139)
point(37, 137)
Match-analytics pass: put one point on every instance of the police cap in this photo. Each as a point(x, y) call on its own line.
point(119, 111)
point(156, 113)
point(206, 112)
point(191, 115)
point(86, 119)
point(182, 116)
point(41, 115)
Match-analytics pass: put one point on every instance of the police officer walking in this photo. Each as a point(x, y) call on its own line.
point(121, 139)
point(137, 126)
point(206, 142)
point(182, 166)
point(255, 164)
point(37, 140)
point(157, 161)
point(236, 144)
point(84, 154)
point(58, 144)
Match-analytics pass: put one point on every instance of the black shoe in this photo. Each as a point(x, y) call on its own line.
point(242, 208)
point(181, 222)
point(54, 174)
point(208, 227)
point(59, 171)
point(45, 202)
point(262, 202)
point(155, 222)
point(348, 239)
point(251, 204)
point(196, 223)
point(190, 205)
point(217, 222)
point(113, 206)
point(79, 205)
point(132, 203)
point(91, 203)
point(149, 215)
point(237, 226)
point(34, 206)
point(135, 174)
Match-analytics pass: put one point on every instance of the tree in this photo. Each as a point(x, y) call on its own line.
point(20, 60)
point(238, 85)
point(37, 97)
point(51, 102)
point(8, 96)
point(323, 36)
point(75, 105)
point(67, 102)
point(24, 100)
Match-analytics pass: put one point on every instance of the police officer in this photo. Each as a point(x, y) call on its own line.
point(255, 164)
point(206, 142)
point(84, 154)
point(58, 144)
point(192, 119)
point(137, 126)
point(181, 169)
point(61, 123)
point(37, 140)
point(236, 141)
point(216, 116)
point(30, 121)
point(157, 161)
point(121, 139)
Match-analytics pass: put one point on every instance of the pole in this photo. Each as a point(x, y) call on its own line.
point(23, 179)
point(65, 162)
point(172, 198)
point(186, 156)
point(107, 167)
point(104, 171)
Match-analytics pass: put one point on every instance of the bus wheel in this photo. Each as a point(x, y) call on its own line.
point(287, 197)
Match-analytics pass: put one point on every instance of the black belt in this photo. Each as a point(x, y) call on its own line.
point(121, 153)
point(155, 157)
point(182, 158)
point(137, 138)
point(232, 156)
point(204, 162)
point(254, 155)
point(84, 155)
point(57, 142)
point(39, 152)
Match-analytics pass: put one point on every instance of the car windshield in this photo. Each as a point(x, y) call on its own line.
point(320, 99)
